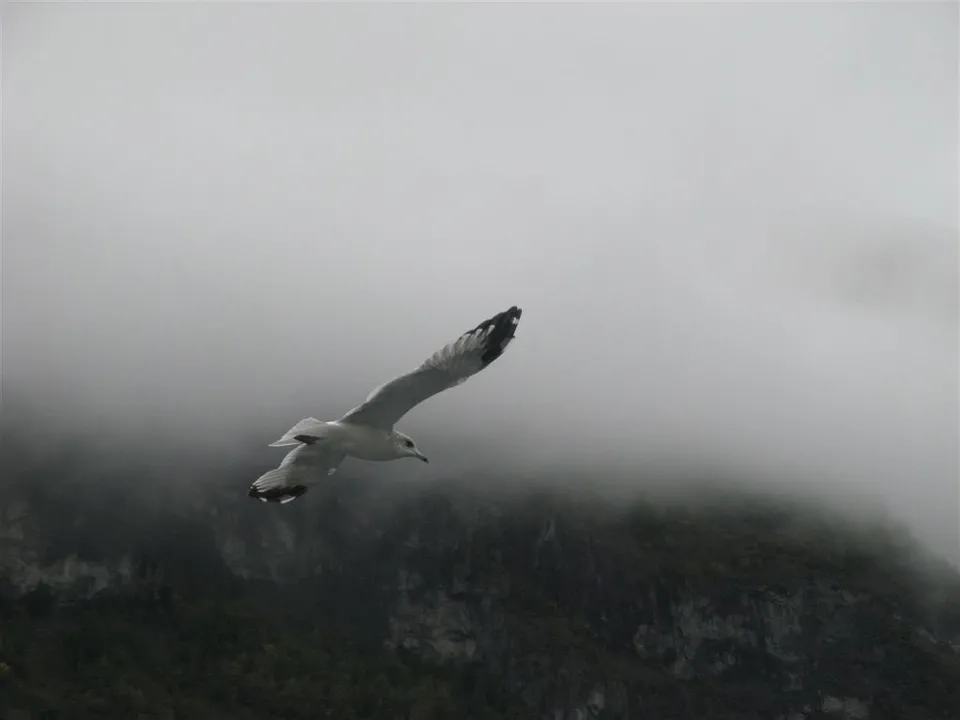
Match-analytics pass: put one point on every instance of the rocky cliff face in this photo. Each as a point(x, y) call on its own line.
point(570, 608)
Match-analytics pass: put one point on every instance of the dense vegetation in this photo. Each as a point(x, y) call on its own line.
point(555, 585)
point(159, 657)
point(162, 656)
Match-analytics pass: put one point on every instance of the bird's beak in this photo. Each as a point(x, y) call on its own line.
point(422, 457)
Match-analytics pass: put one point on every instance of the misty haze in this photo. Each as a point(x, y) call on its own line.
point(732, 228)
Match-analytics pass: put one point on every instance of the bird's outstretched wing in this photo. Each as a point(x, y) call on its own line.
point(304, 466)
point(449, 366)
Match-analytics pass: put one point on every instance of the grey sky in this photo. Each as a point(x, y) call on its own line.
point(732, 227)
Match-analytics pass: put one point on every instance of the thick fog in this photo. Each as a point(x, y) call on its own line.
point(732, 229)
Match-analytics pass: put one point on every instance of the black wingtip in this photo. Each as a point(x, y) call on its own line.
point(501, 329)
point(279, 494)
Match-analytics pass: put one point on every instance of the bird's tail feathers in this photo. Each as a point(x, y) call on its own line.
point(307, 430)
point(277, 485)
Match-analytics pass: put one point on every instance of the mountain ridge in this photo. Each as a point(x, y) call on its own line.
point(458, 599)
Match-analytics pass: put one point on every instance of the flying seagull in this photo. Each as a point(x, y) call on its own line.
point(367, 431)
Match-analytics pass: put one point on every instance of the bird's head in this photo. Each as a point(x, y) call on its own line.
point(406, 447)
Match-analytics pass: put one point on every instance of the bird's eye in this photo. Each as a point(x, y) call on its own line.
point(408, 443)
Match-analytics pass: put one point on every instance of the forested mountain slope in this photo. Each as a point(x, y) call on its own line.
point(124, 595)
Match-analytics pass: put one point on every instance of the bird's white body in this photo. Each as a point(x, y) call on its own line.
point(363, 442)
point(366, 432)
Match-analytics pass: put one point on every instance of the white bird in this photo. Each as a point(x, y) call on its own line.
point(367, 431)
